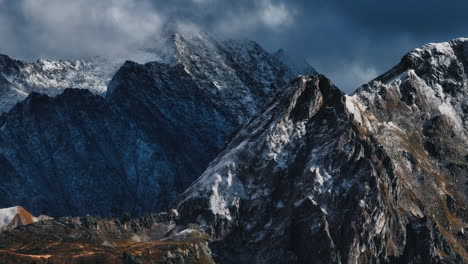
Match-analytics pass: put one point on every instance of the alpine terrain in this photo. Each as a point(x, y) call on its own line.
point(137, 145)
point(380, 176)
point(290, 169)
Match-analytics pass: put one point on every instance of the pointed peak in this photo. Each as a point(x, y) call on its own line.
point(332, 95)
point(306, 95)
point(196, 35)
point(320, 82)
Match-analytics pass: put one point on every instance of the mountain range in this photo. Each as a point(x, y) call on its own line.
point(250, 162)
point(143, 140)
point(379, 176)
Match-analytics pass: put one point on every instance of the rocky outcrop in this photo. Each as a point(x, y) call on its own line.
point(150, 239)
point(13, 217)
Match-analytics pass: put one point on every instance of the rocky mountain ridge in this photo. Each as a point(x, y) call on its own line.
point(316, 176)
point(151, 134)
point(368, 176)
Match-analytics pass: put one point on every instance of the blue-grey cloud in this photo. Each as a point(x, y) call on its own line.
point(350, 41)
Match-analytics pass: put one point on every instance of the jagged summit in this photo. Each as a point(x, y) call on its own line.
point(418, 113)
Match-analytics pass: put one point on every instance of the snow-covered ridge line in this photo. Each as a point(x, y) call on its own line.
point(51, 77)
point(218, 62)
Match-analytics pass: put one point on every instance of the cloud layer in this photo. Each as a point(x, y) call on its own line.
point(350, 41)
point(74, 29)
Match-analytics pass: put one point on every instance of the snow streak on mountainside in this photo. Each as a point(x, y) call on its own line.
point(320, 177)
point(145, 141)
point(18, 78)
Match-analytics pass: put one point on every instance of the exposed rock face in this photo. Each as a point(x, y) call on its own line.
point(61, 155)
point(321, 177)
point(279, 189)
point(134, 150)
point(418, 112)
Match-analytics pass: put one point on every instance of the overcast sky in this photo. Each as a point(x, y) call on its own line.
point(349, 41)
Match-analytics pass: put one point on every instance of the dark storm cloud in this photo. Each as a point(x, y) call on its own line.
point(350, 41)
point(417, 17)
